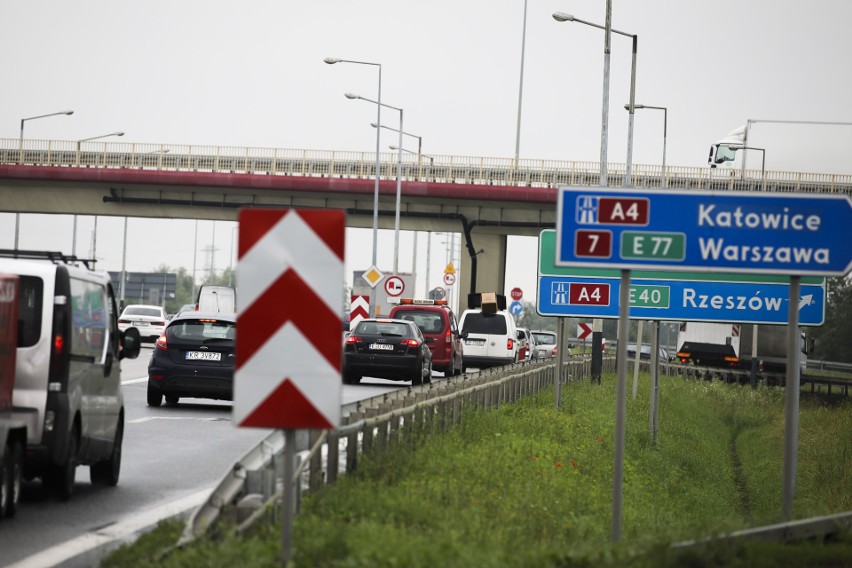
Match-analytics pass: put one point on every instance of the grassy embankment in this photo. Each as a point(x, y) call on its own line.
point(527, 485)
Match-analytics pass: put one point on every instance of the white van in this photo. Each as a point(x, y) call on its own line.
point(492, 339)
point(216, 299)
point(67, 372)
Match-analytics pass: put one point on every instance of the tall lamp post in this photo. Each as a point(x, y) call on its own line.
point(664, 183)
point(628, 177)
point(398, 177)
point(521, 87)
point(419, 138)
point(74, 237)
point(332, 61)
point(21, 157)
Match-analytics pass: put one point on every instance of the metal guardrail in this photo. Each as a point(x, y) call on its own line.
point(260, 471)
point(532, 173)
point(794, 530)
point(816, 364)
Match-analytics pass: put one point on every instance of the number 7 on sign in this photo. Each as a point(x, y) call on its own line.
point(595, 244)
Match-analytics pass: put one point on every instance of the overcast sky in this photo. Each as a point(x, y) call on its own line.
point(251, 73)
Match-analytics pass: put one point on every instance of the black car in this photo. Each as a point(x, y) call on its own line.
point(194, 358)
point(388, 349)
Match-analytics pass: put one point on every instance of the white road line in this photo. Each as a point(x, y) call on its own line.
point(149, 418)
point(133, 381)
point(119, 531)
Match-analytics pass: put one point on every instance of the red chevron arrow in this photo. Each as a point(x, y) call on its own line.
point(289, 299)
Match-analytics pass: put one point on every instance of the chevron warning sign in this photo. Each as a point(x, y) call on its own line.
point(289, 278)
point(359, 308)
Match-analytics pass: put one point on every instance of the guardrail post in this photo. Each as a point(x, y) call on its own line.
point(315, 477)
point(333, 459)
point(352, 444)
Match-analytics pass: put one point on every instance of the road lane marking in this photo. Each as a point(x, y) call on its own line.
point(133, 381)
point(201, 419)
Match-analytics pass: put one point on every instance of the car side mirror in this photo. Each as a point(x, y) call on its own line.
point(464, 334)
point(131, 343)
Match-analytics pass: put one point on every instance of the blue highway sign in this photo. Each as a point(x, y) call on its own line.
point(766, 233)
point(680, 300)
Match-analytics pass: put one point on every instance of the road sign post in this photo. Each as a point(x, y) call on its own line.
point(287, 372)
point(732, 232)
point(692, 230)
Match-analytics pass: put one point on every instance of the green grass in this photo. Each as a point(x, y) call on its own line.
point(527, 485)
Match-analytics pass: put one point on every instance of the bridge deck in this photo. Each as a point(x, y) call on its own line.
point(505, 172)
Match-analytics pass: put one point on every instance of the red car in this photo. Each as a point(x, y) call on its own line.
point(439, 327)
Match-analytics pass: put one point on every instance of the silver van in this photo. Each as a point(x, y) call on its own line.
point(67, 373)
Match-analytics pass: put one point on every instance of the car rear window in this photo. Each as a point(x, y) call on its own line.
point(382, 328)
point(545, 338)
point(152, 312)
point(489, 324)
point(203, 329)
point(429, 322)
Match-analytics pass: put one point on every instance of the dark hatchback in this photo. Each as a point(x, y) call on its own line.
point(388, 349)
point(194, 358)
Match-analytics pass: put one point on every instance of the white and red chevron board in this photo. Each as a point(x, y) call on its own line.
point(289, 279)
point(359, 308)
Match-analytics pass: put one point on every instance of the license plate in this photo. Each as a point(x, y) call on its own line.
point(140, 323)
point(475, 341)
point(381, 347)
point(203, 356)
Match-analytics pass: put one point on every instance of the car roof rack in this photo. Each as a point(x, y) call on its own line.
point(54, 256)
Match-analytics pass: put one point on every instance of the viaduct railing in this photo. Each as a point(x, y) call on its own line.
point(533, 173)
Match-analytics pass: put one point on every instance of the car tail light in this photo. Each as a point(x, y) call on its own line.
point(353, 339)
point(555, 351)
point(124, 321)
point(411, 342)
point(161, 343)
point(158, 323)
point(510, 344)
point(449, 337)
point(157, 377)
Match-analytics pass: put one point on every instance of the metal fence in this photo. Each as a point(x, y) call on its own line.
point(531, 173)
point(409, 415)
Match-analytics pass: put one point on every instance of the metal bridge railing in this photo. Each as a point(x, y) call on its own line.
point(531, 173)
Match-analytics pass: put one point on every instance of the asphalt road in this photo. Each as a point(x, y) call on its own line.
point(172, 457)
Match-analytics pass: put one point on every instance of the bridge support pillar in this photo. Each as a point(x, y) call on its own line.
point(483, 266)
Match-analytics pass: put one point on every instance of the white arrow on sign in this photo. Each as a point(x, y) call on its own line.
point(583, 330)
point(806, 301)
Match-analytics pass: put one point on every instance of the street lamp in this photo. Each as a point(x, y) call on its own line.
point(665, 121)
point(563, 17)
point(419, 138)
point(431, 159)
point(332, 61)
point(74, 238)
point(23, 120)
point(21, 157)
point(398, 176)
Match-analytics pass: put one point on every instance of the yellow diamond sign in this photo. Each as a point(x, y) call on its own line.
point(373, 276)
